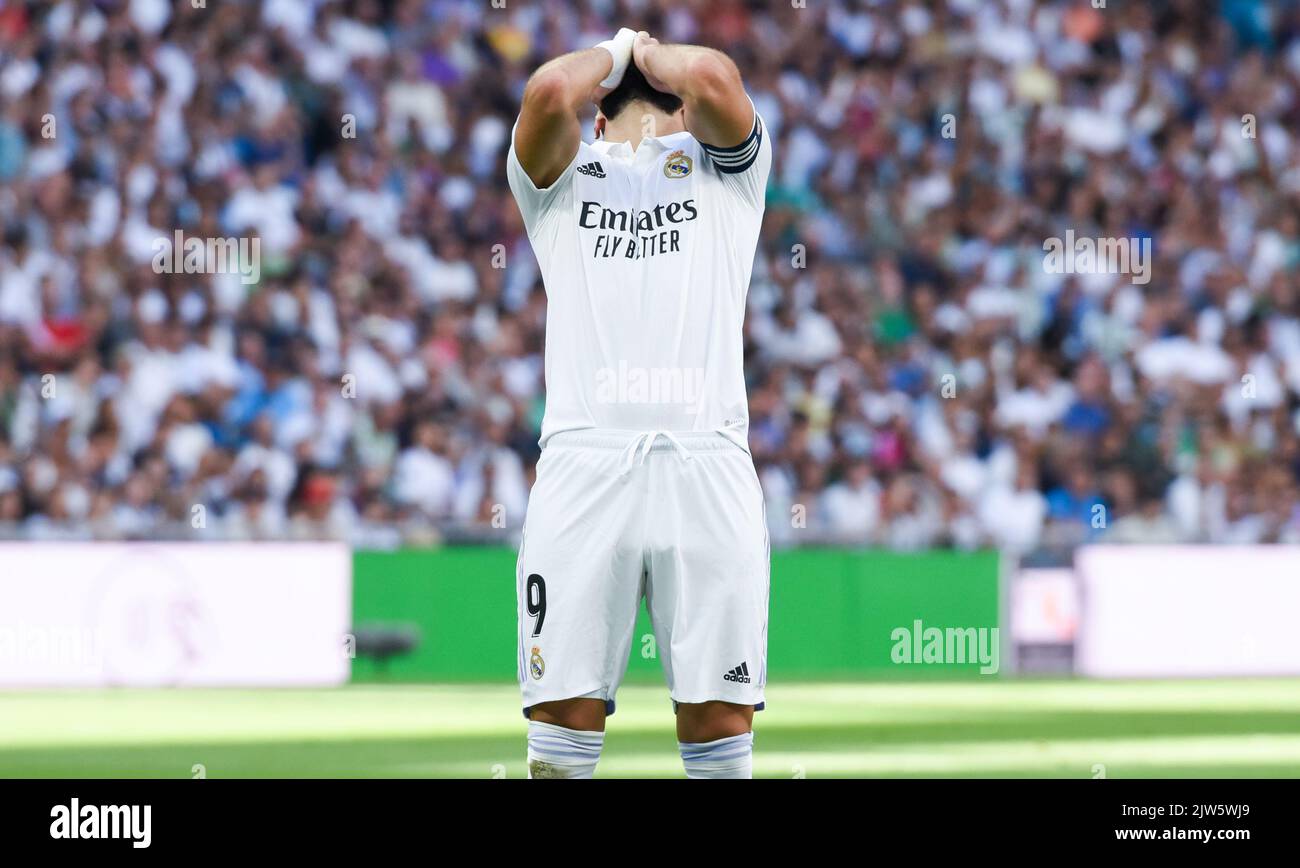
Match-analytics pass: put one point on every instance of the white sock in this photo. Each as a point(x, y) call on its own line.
point(725, 758)
point(559, 752)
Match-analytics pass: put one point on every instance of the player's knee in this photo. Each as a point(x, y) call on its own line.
point(587, 715)
point(699, 722)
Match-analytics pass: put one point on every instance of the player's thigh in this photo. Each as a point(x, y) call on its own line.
point(708, 583)
point(578, 578)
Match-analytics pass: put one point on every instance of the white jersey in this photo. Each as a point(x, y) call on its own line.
point(646, 257)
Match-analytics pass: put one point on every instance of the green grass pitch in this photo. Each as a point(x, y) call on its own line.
point(1073, 729)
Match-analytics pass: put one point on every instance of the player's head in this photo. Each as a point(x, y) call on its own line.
point(634, 98)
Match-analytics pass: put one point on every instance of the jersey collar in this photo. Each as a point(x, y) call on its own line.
point(655, 144)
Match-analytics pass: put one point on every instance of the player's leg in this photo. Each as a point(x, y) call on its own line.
point(565, 738)
point(578, 584)
point(707, 595)
point(710, 721)
point(716, 739)
point(585, 714)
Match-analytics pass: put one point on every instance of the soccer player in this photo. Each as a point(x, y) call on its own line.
point(645, 485)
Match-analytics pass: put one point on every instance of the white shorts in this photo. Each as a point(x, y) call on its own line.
point(618, 515)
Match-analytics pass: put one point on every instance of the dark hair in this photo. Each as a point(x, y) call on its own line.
point(634, 87)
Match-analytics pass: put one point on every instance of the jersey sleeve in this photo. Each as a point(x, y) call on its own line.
point(537, 204)
point(744, 168)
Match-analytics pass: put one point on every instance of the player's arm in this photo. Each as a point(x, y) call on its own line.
point(718, 112)
point(547, 135)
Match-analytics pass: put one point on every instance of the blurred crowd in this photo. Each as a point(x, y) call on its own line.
point(917, 377)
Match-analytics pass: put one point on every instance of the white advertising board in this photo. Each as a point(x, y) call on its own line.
point(174, 614)
point(1159, 611)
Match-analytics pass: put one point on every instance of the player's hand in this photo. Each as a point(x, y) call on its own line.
point(643, 42)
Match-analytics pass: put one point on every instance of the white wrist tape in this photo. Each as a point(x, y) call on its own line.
point(620, 48)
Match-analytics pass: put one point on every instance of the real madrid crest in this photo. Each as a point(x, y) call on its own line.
point(678, 165)
point(536, 664)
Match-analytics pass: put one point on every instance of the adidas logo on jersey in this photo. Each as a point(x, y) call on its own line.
point(595, 170)
point(739, 674)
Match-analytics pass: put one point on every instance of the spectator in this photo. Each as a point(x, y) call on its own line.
point(916, 375)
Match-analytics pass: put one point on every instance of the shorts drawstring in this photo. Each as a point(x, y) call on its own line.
point(640, 446)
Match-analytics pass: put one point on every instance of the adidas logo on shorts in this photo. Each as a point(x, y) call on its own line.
point(595, 170)
point(739, 674)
